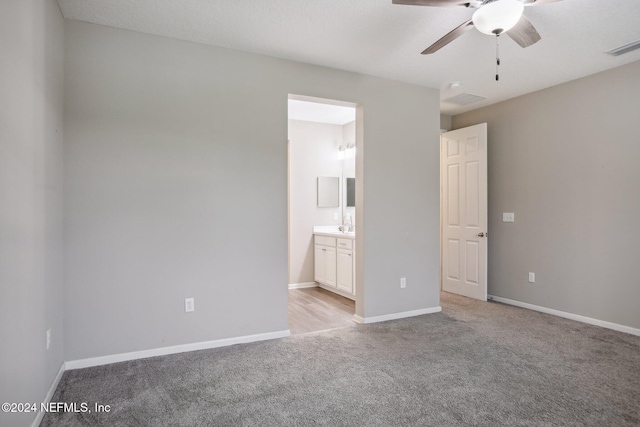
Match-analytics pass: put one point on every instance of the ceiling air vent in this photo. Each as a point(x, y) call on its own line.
point(625, 49)
point(465, 99)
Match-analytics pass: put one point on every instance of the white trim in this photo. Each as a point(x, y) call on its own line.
point(303, 285)
point(394, 316)
point(571, 316)
point(54, 385)
point(358, 319)
point(161, 351)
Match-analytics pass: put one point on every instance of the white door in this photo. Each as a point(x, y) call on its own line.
point(463, 177)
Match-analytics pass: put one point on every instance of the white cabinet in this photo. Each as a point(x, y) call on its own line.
point(334, 264)
point(325, 260)
point(344, 280)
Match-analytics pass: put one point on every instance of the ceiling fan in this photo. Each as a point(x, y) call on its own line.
point(493, 17)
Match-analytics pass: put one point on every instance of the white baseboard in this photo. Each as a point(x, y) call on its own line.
point(54, 385)
point(303, 285)
point(571, 316)
point(393, 316)
point(162, 351)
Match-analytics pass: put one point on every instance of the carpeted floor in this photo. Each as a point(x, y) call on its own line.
point(484, 364)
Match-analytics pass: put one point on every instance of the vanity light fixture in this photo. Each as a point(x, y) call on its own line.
point(348, 152)
point(341, 153)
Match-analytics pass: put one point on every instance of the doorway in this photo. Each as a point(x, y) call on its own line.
point(322, 216)
point(463, 211)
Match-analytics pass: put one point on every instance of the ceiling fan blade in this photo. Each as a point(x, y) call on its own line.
point(440, 3)
point(448, 38)
point(537, 2)
point(524, 33)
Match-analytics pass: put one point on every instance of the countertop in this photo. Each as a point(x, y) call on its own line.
point(332, 231)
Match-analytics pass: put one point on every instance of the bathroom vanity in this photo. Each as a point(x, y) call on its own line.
point(335, 257)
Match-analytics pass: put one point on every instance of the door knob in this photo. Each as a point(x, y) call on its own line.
point(481, 234)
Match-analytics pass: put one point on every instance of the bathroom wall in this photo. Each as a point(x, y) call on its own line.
point(313, 152)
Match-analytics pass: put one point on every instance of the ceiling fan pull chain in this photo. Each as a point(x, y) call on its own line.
point(497, 55)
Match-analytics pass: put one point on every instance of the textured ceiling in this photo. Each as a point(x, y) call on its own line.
point(378, 38)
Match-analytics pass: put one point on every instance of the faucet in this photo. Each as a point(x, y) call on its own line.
point(347, 224)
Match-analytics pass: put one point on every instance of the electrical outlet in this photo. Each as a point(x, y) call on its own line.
point(336, 217)
point(508, 217)
point(403, 282)
point(48, 338)
point(532, 277)
point(189, 305)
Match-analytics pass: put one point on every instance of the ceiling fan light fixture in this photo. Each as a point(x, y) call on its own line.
point(498, 16)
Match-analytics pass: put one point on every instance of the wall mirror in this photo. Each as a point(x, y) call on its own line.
point(351, 192)
point(328, 191)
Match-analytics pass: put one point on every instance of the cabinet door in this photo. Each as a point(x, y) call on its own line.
point(330, 266)
point(320, 264)
point(345, 270)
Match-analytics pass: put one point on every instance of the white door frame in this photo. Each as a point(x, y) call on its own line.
point(358, 249)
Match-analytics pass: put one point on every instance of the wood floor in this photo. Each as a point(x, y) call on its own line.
point(316, 309)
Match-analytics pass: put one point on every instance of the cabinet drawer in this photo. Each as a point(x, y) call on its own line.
point(345, 243)
point(326, 241)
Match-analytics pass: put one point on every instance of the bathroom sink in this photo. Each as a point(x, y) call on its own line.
point(333, 230)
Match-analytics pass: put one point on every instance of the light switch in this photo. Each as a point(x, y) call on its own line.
point(508, 217)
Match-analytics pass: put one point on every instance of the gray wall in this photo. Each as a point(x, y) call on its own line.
point(31, 106)
point(445, 122)
point(565, 160)
point(175, 174)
